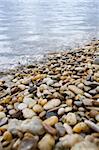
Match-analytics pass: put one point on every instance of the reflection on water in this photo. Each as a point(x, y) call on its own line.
point(33, 27)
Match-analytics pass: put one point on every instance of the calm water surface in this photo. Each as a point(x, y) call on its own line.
point(31, 28)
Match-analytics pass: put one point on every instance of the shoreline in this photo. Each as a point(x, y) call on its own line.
point(52, 104)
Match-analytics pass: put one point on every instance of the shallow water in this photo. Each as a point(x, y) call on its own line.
point(31, 28)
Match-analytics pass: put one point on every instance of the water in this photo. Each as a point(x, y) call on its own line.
point(31, 28)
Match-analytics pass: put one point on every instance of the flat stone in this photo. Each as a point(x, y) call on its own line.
point(75, 89)
point(51, 104)
point(28, 113)
point(51, 121)
point(46, 143)
point(49, 129)
point(3, 121)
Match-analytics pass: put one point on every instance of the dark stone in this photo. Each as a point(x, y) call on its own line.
point(17, 115)
point(49, 114)
point(32, 89)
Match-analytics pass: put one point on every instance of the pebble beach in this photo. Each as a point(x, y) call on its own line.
point(53, 105)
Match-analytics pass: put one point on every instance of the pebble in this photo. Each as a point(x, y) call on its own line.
point(61, 111)
point(28, 143)
point(75, 89)
point(60, 129)
point(42, 102)
point(97, 117)
point(28, 113)
point(7, 136)
point(37, 108)
point(29, 102)
point(33, 125)
point(46, 143)
point(71, 119)
point(51, 121)
point(22, 106)
point(49, 129)
point(51, 104)
point(68, 128)
point(85, 145)
point(2, 115)
point(21, 87)
point(68, 109)
point(81, 127)
point(3, 121)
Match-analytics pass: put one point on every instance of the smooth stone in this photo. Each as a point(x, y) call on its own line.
point(46, 143)
point(42, 114)
point(78, 103)
point(71, 118)
point(85, 145)
point(97, 117)
point(28, 143)
point(28, 113)
point(87, 95)
point(61, 111)
point(60, 129)
point(51, 121)
point(2, 115)
point(68, 128)
point(22, 106)
point(48, 81)
point(70, 140)
point(50, 114)
point(33, 125)
point(68, 109)
point(69, 102)
point(37, 108)
point(75, 89)
point(87, 101)
point(21, 87)
point(12, 111)
point(92, 125)
point(42, 102)
point(7, 136)
point(3, 121)
point(81, 127)
point(51, 104)
point(80, 85)
point(96, 61)
point(49, 129)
